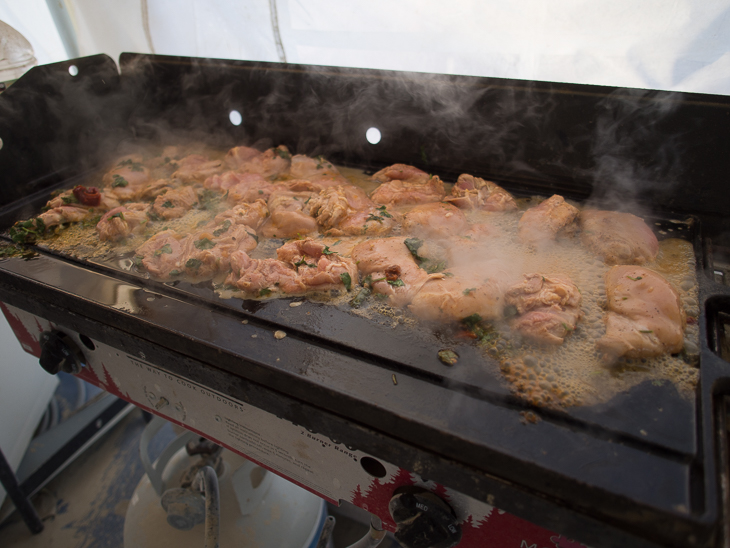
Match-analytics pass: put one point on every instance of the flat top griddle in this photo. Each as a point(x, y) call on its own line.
point(645, 462)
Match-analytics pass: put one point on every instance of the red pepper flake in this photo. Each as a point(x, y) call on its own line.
point(89, 196)
point(464, 334)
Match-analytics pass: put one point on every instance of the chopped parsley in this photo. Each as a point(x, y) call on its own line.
point(283, 153)
point(645, 331)
point(384, 213)
point(193, 264)
point(413, 245)
point(634, 279)
point(346, 280)
point(469, 290)
point(167, 248)
point(326, 251)
point(224, 228)
point(204, 243)
point(265, 292)
point(118, 214)
point(119, 181)
point(363, 294)
point(27, 231)
point(70, 199)
point(168, 204)
point(397, 283)
point(174, 272)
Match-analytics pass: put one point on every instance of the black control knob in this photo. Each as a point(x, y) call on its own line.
point(60, 353)
point(424, 520)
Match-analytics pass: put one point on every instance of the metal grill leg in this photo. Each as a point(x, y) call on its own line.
point(22, 503)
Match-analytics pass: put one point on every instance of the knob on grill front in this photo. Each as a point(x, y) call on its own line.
point(424, 520)
point(60, 353)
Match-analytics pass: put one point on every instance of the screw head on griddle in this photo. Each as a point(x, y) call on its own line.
point(424, 519)
point(60, 353)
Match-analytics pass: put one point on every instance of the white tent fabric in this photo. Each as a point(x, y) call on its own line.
point(681, 45)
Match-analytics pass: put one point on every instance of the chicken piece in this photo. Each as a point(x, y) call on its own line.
point(471, 192)
point(196, 168)
point(84, 197)
point(347, 210)
point(126, 180)
point(540, 225)
point(435, 220)
point(547, 308)
point(401, 172)
point(251, 215)
point(261, 277)
point(152, 190)
point(269, 164)
point(238, 156)
point(318, 267)
point(398, 192)
point(120, 222)
point(318, 170)
point(287, 218)
point(175, 203)
point(619, 238)
point(65, 214)
point(390, 269)
point(209, 251)
point(79, 204)
point(162, 255)
point(241, 187)
point(645, 315)
point(460, 292)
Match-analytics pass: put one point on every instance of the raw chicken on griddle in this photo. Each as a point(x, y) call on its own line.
point(540, 225)
point(269, 164)
point(196, 168)
point(120, 222)
point(547, 308)
point(645, 315)
point(435, 220)
point(462, 291)
point(391, 268)
point(317, 170)
point(347, 210)
point(77, 205)
point(240, 187)
point(471, 192)
point(403, 184)
point(127, 180)
point(251, 214)
point(318, 267)
point(619, 238)
point(288, 217)
point(175, 202)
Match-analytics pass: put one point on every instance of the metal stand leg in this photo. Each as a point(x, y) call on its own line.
point(22, 503)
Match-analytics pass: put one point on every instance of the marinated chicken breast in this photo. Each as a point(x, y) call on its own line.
point(435, 220)
point(645, 316)
point(391, 268)
point(317, 266)
point(162, 254)
point(268, 164)
point(547, 308)
point(127, 180)
point(287, 215)
point(175, 202)
point(196, 168)
point(540, 225)
point(261, 277)
point(397, 192)
point(471, 192)
point(346, 210)
point(122, 221)
point(251, 215)
point(460, 292)
point(317, 170)
point(619, 238)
